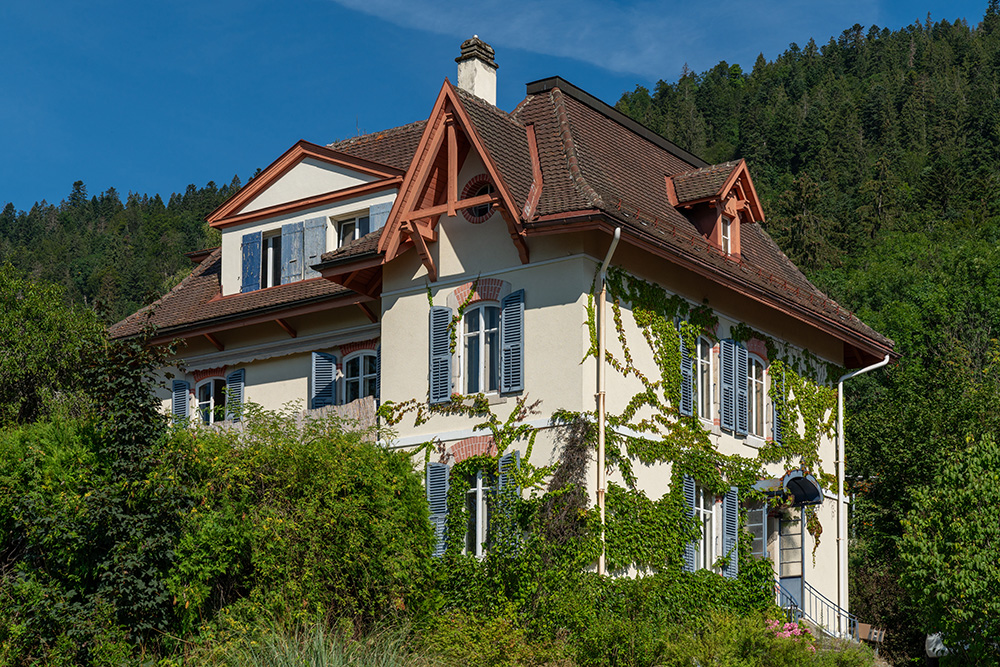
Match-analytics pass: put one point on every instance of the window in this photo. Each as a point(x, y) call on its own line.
point(755, 392)
point(481, 350)
point(478, 509)
point(360, 376)
point(489, 519)
point(351, 229)
point(270, 264)
point(704, 378)
point(757, 527)
point(212, 401)
point(477, 187)
point(704, 514)
point(483, 210)
point(727, 235)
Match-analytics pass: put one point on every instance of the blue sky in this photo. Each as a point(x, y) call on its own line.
point(149, 97)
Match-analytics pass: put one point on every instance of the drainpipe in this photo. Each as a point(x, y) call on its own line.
point(601, 481)
point(841, 506)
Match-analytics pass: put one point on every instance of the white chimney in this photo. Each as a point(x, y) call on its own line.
point(477, 71)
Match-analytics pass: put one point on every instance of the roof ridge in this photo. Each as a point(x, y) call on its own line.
point(712, 167)
point(369, 135)
point(569, 146)
point(491, 108)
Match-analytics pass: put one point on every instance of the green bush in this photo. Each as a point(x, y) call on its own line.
point(304, 520)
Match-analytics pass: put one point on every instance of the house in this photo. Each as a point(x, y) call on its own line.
point(458, 255)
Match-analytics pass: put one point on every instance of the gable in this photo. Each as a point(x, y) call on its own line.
point(306, 179)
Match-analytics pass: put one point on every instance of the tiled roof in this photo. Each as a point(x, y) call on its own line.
point(364, 245)
point(393, 147)
point(197, 300)
point(591, 157)
point(702, 183)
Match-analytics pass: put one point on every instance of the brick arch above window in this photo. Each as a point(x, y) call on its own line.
point(487, 289)
point(351, 348)
point(206, 373)
point(758, 347)
point(477, 445)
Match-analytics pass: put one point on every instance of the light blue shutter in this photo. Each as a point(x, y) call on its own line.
point(510, 460)
point(742, 391)
point(291, 252)
point(727, 389)
point(364, 225)
point(687, 379)
point(251, 262)
point(691, 548)
point(180, 403)
point(379, 214)
point(324, 383)
point(234, 394)
point(314, 240)
point(512, 342)
point(437, 501)
point(378, 374)
point(730, 532)
point(440, 355)
point(779, 401)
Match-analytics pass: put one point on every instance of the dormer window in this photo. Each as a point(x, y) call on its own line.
point(727, 235)
point(351, 229)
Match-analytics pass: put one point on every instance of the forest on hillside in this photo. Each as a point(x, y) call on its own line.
point(877, 156)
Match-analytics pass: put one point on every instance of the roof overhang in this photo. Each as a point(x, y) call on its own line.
point(868, 349)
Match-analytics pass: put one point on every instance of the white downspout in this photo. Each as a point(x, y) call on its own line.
point(601, 482)
point(841, 506)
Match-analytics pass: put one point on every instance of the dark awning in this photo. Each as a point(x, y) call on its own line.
point(803, 487)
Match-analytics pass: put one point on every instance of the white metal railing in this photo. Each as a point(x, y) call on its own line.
point(819, 610)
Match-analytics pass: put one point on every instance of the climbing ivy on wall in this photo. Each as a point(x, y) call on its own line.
point(641, 532)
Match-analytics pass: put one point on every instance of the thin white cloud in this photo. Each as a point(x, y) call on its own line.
point(646, 38)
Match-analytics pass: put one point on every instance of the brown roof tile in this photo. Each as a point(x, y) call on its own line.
point(197, 300)
point(702, 183)
point(393, 147)
point(365, 244)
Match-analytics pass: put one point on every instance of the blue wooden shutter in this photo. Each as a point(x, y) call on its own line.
point(437, 501)
point(687, 379)
point(324, 382)
point(180, 403)
point(314, 242)
point(364, 225)
point(730, 532)
point(251, 262)
point(440, 355)
point(234, 394)
point(691, 548)
point(778, 402)
point(510, 460)
point(379, 214)
point(378, 374)
point(727, 389)
point(742, 391)
point(291, 252)
point(512, 342)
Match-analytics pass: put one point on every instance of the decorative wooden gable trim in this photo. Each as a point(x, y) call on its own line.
point(228, 212)
point(430, 188)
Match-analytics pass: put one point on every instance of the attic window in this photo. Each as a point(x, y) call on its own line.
point(478, 186)
point(727, 235)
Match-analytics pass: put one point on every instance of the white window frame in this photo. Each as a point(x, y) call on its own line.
point(726, 237)
point(360, 355)
point(705, 514)
point(479, 308)
point(270, 259)
point(756, 397)
point(477, 505)
point(355, 234)
point(213, 407)
point(705, 379)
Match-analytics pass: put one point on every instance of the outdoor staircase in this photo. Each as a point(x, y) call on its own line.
point(818, 610)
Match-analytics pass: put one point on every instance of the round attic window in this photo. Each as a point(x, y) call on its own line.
point(477, 185)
